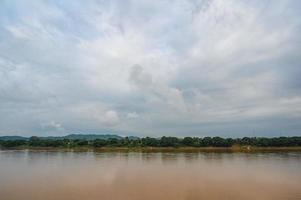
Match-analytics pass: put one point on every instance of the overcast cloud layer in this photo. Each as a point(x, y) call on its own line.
point(150, 68)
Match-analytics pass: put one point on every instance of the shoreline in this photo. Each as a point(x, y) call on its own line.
point(242, 149)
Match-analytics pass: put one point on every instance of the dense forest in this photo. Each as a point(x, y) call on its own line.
point(155, 142)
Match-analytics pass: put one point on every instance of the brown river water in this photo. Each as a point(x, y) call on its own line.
point(46, 175)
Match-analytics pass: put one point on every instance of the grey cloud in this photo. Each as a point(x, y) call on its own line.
point(139, 78)
point(189, 67)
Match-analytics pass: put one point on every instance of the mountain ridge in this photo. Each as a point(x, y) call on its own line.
point(71, 137)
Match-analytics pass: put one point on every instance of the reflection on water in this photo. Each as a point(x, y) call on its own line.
point(35, 175)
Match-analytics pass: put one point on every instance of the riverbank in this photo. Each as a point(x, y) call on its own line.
point(163, 149)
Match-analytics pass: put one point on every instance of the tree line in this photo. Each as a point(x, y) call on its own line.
point(157, 142)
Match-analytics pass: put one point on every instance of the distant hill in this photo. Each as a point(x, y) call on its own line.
point(133, 137)
point(91, 137)
point(9, 138)
point(71, 137)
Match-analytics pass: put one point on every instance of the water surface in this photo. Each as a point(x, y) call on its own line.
point(36, 175)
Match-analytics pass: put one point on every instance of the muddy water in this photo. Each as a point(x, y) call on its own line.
point(30, 175)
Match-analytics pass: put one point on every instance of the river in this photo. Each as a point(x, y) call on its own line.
point(63, 175)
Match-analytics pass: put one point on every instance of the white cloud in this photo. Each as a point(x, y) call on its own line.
point(52, 126)
point(111, 118)
point(132, 115)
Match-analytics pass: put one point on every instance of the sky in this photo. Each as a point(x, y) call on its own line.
point(150, 68)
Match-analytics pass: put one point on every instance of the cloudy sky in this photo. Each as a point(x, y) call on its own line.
point(150, 68)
